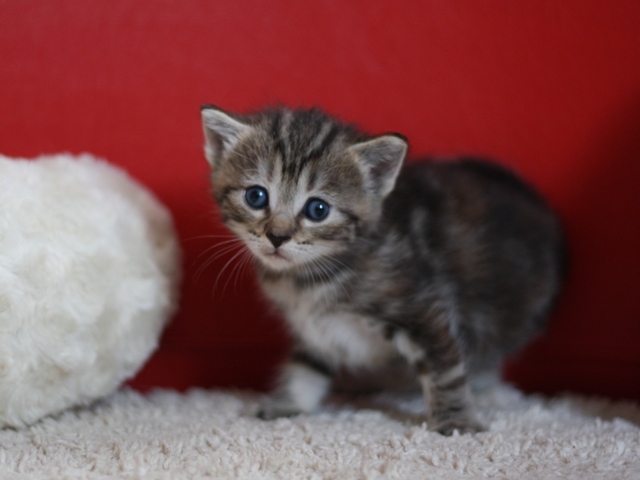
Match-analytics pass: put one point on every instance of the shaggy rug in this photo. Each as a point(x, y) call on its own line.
point(212, 434)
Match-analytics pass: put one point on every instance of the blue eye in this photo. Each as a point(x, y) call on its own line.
point(256, 197)
point(316, 209)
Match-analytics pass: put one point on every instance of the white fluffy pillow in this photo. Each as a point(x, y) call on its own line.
point(89, 269)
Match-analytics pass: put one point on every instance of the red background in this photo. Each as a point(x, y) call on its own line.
point(550, 88)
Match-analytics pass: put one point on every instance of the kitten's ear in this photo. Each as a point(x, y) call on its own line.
point(381, 159)
point(221, 132)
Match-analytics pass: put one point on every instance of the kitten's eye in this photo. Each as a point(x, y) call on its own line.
point(316, 209)
point(256, 197)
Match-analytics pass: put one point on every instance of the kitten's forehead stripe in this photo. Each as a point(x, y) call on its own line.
point(300, 138)
point(286, 131)
point(322, 133)
point(323, 142)
point(270, 171)
point(312, 180)
point(275, 132)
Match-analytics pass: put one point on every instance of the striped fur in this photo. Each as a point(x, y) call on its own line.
point(447, 265)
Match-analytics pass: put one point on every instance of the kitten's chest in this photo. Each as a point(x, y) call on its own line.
point(336, 334)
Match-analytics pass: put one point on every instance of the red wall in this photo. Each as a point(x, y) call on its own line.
point(550, 88)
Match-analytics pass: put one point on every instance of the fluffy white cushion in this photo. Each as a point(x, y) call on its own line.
point(89, 267)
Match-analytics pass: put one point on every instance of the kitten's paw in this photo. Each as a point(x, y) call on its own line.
point(463, 424)
point(272, 409)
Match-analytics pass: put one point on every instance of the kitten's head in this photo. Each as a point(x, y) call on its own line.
point(297, 185)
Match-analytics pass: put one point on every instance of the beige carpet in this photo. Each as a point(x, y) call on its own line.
point(211, 434)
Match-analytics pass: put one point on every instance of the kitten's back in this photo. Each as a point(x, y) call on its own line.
point(492, 238)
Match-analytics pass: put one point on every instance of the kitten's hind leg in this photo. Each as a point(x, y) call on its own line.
point(304, 382)
point(442, 375)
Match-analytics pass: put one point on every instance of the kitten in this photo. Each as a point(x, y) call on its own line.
point(447, 265)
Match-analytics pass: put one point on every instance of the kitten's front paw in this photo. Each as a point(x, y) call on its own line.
point(277, 408)
point(463, 424)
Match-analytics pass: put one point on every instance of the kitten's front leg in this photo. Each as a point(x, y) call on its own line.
point(304, 382)
point(442, 374)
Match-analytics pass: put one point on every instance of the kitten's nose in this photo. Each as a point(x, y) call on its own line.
point(277, 240)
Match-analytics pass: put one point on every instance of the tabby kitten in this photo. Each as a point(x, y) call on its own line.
point(448, 266)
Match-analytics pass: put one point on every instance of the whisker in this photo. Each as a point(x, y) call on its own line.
point(226, 265)
point(237, 269)
point(219, 245)
point(225, 250)
point(343, 265)
point(347, 272)
point(312, 278)
point(325, 272)
point(213, 235)
point(247, 260)
point(329, 264)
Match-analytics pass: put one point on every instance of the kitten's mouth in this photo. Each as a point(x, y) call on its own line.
point(276, 256)
point(276, 261)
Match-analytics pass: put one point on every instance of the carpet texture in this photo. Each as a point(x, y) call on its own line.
point(211, 434)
